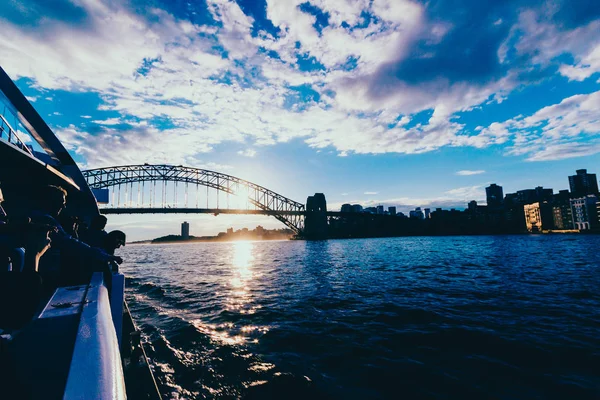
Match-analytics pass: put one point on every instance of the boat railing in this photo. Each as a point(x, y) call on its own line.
point(71, 350)
point(117, 299)
point(9, 135)
point(96, 371)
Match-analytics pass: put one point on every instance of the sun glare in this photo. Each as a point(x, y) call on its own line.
point(241, 275)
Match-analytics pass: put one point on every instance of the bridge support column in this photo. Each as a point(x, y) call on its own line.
point(315, 223)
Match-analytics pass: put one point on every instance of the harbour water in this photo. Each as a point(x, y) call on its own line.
point(495, 317)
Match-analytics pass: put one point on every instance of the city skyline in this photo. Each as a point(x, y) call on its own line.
point(243, 221)
point(371, 102)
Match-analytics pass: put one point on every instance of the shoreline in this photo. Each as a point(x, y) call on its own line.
point(217, 239)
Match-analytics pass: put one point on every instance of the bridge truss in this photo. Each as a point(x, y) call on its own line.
point(256, 199)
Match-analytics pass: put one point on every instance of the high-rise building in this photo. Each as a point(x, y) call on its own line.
point(528, 196)
point(563, 217)
point(561, 208)
point(427, 213)
point(185, 230)
point(472, 207)
point(392, 210)
point(583, 183)
point(416, 213)
point(380, 210)
point(494, 196)
point(346, 208)
point(357, 208)
point(533, 219)
point(538, 216)
point(585, 212)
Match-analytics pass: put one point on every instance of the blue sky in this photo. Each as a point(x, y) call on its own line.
point(416, 103)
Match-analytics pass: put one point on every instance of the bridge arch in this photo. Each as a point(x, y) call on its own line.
point(286, 210)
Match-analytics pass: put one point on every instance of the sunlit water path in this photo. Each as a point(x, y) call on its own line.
point(444, 317)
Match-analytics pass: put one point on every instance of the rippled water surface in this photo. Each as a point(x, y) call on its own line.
point(506, 317)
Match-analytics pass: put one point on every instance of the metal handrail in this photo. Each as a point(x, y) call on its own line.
point(13, 137)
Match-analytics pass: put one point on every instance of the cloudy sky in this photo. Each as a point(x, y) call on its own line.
point(371, 101)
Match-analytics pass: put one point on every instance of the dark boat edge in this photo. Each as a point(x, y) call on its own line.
point(84, 342)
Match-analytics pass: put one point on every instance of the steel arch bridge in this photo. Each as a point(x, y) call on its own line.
point(259, 200)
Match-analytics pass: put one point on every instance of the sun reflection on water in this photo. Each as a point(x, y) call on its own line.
point(242, 273)
point(239, 300)
point(242, 264)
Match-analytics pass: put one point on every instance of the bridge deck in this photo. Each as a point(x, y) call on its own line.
point(148, 210)
point(168, 210)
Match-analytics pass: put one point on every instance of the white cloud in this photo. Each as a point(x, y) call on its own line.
point(588, 65)
point(185, 79)
point(109, 121)
point(24, 137)
point(31, 99)
point(235, 32)
point(97, 57)
point(134, 146)
point(371, 193)
point(467, 172)
point(372, 46)
point(543, 40)
point(247, 152)
point(568, 129)
point(466, 192)
point(564, 151)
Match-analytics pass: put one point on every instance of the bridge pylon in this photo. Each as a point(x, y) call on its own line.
point(315, 223)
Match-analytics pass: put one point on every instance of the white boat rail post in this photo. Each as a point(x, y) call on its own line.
point(117, 298)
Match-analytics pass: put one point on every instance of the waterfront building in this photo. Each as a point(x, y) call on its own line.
point(584, 212)
point(230, 231)
point(427, 213)
point(416, 213)
point(392, 210)
point(528, 196)
point(514, 215)
point(357, 208)
point(513, 218)
point(583, 183)
point(562, 216)
point(449, 221)
point(477, 213)
point(346, 208)
point(510, 200)
point(380, 210)
point(538, 216)
point(538, 194)
point(562, 196)
point(561, 210)
point(472, 207)
point(494, 195)
point(185, 230)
